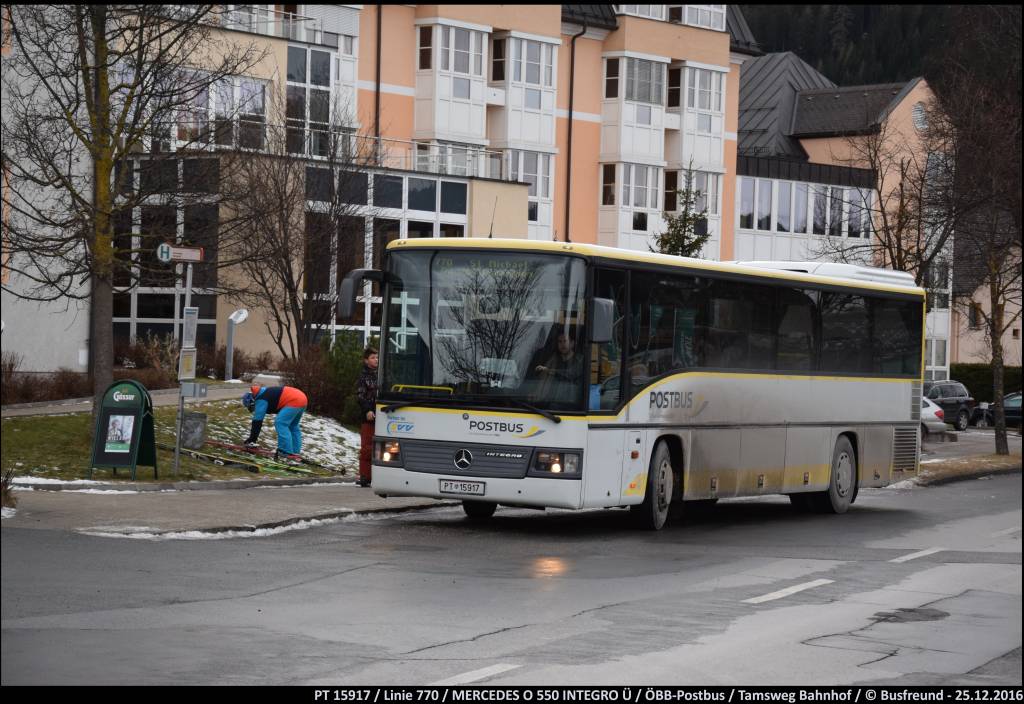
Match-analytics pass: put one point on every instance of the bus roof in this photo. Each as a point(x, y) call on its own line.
point(810, 272)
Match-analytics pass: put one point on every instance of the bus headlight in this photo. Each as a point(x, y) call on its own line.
point(556, 464)
point(387, 452)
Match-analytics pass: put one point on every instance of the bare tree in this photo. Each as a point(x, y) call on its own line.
point(294, 254)
point(980, 91)
point(88, 89)
point(908, 221)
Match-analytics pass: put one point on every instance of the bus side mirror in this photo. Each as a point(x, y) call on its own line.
point(351, 286)
point(602, 320)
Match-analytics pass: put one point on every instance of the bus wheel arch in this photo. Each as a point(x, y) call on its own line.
point(652, 513)
point(675, 450)
point(843, 474)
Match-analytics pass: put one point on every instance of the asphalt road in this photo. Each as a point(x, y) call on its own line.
point(914, 586)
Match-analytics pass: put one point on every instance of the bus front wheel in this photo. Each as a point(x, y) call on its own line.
point(479, 510)
point(842, 485)
point(653, 512)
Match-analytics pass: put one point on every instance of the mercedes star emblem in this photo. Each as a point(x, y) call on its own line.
point(463, 459)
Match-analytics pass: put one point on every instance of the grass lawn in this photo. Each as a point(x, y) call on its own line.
point(60, 447)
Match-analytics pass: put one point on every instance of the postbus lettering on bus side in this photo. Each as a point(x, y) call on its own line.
point(671, 399)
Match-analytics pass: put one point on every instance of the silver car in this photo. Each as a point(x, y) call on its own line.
point(931, 419)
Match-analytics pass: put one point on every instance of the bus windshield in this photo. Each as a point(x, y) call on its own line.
point(484, 327)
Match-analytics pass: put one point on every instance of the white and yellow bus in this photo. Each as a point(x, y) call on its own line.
point(545, 374)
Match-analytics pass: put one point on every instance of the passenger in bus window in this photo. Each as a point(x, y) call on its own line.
point(561, 373)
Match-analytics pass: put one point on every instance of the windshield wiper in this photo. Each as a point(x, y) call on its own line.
point(539, 411)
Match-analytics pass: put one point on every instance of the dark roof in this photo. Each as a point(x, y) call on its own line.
point(741, 39)
point(768, 89)
point(794, 170)
point(848, 110)
point(599, 16)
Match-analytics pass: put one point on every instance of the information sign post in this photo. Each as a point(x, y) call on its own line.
point(168, 253)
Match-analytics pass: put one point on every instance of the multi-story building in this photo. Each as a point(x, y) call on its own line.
point(805, 190)
point(555, 122)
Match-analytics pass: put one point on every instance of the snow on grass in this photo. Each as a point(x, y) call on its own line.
point(8, 512)
point(146, 533)
point(324, 440)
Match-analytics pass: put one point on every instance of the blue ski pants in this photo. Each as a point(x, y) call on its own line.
point(289, 437)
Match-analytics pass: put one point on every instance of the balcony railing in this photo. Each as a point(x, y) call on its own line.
point(273, 23)
point(342, 146)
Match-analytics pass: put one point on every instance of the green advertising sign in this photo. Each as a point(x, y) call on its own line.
point(125, 436)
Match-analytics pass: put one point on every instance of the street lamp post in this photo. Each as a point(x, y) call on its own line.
point(236, 318)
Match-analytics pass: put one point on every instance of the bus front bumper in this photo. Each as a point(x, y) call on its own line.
point(537, 492)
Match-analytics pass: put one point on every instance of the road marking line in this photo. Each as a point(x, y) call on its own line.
point(474, 675)
point(915, 555)
point(1008, 531)
point(787, 591)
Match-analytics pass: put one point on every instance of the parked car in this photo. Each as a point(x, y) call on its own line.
point(951, 396)
point(985, 415)
point(931, 419)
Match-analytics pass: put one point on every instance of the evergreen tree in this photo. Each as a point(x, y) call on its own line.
point(686, 229)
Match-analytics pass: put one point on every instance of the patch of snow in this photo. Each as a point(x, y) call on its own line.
point(44, 480)
point(905, 484)
point(8, 512)
point(144, 533)
point(933, 461)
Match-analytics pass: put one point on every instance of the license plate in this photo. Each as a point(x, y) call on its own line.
point(449, 486)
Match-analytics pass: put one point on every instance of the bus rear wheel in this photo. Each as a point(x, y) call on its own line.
point(653, 512)
point(479, 510)
point(842, 485)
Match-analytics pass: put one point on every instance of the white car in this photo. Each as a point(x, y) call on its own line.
point(931, 419)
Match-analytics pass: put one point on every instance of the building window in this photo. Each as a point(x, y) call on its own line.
point(611, 78)
point(654, 12)
point(764, 204)
point(498, 60)
point(426, 47)
point(820, 209)
point(308, 101)
point(453, 197)
point(835, 225)
point(645, 81)
point(608, 184)
point(937, 278)
point(783, 220)
point(704, 90)
point(462, 51)
point(975, 316)
point(705, 187)
point(245, 97)
point(747, 203)
point(859, 218)
point(671, 186)
point(675, 79)
point(707, 16)
point(800, 208)
point(534, 168)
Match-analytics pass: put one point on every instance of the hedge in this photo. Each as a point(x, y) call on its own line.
point(978, 379)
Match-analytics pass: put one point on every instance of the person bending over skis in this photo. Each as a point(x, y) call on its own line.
point(289, 404)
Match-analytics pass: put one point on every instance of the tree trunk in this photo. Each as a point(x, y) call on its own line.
point(102, 334)
point(995, 337)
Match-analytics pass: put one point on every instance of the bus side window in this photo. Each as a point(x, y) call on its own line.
point(606, 358)
point(795, 329)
